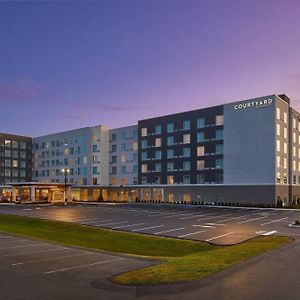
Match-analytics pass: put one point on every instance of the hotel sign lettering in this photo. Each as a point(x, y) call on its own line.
point(254, 104)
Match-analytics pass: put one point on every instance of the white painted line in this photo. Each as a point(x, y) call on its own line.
point(171, 230)
point(204, 226)
point(26, 208)
point(251, 220)
point(176, 215)
point(130, 225)
point(84, 266)
point(260, 232)
point(219, 236)
point(111, 223)
point(274, 221)
point(147, 228)
point(214, 217)
point(216, 224)
point(51, 258)
point(23, 246)
point(192, 233)
point(195, 216)
point(32, 252)
point(270, 232)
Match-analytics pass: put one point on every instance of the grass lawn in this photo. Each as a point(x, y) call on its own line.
point(182, 260)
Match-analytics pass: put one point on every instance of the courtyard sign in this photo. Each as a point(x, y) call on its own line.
point(254, 104)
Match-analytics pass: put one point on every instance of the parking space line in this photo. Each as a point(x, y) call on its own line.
point(171, 230)
point(270, 232)
point(142, 229)
point(33, 252)
point(219, 236)
point(267, 223)
point(204, 226)
point(251, 220)
point(191, 233)
point(84, 266)
point(130, 225)
point(111, 223)
point(51, 258)
point(216, 224)
point(195, 216)
point(23, 246)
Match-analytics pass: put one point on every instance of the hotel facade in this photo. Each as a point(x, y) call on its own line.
point(240, 153)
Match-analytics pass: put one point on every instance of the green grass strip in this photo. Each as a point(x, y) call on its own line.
point(196, 266)
point(71, 234)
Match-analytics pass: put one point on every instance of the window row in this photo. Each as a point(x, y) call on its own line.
point(124, 170)
point(14, 154)
point(186, 125)
point(13, 144)
point(123, 147)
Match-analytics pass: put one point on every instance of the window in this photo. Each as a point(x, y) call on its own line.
point(144, 144)
point(158, 167)
point(123, 147)
point(95, 170)
point(294, 151)
point(200, 165)
point(219, 134)
point(170, 140)
point(135, 156)
point(278, 146)
point(294, 124)
point(113, 148)
point(94, 158)
point(219, 163)
point(186, 179)
point(200, 137)
point(144, 180)
point(135, 146)
point(113, 137)
point(14, 163)
point(284, 163)
point(144, 131)
point(23, 145)
point(219, 120)
point(278, 161)
point(144, 168)
point(95, 148)
point(123, 169)
point(186, 152)
point(113, 170)
point(158, 129)
point(7, 173)
point(186, 138)
point(200, 123)
point(15, 144)
point(123, 158)
point(278, 113)
point(157, 154)
point(294, 165)
point(170, 127)
point(285, 148)
point(123, 135)
point(170, 166)
point(170, 153)
point(135, 134)
point(157, 180)
point(186, 166)
point(278, 129)
point(170, 179)
point(219, 148)
point(285, 117)
point(219, 178)
point(285, 132)
point(7, 143)
point(158, 142)
point(186, 125)
point(294, 137)
point(7, 153)
point(135, 169)
point(7, 163)
point(200, 178)
point(144, 156)
point(200, 151)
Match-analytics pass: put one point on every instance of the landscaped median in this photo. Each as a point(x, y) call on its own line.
point(182, 260)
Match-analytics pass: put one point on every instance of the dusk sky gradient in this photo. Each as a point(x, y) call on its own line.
point(66, 65)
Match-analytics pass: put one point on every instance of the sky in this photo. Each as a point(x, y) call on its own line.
point(66, 65)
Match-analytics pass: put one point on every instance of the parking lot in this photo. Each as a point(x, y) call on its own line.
point(32, 269)
point(219, 225)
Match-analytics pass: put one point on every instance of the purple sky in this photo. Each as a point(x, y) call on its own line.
point(74, 64)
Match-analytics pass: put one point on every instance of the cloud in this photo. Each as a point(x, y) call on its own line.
point(22, 89)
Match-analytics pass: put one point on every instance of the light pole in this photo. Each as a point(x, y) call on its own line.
point(65, 172)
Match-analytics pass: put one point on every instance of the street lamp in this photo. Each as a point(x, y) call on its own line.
point(65, 172)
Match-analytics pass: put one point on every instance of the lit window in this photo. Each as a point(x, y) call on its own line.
point(186, 139)
point(285, 132)
point(278, 113)
point(144, 168)
point(123, 158)
point(135, 146)
point(144, 131)
point(200, 165)
point(158, 142)
point(284, 163)
point(278, 145)
point(294, 124)
point(285, 117)
point(294, 151)
point(285, 148)
point(278, 129)
point(294, 137)
point(14, 163)
point(219, 120)
point(170, 179)
point(200, 151)
point(294, 165)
